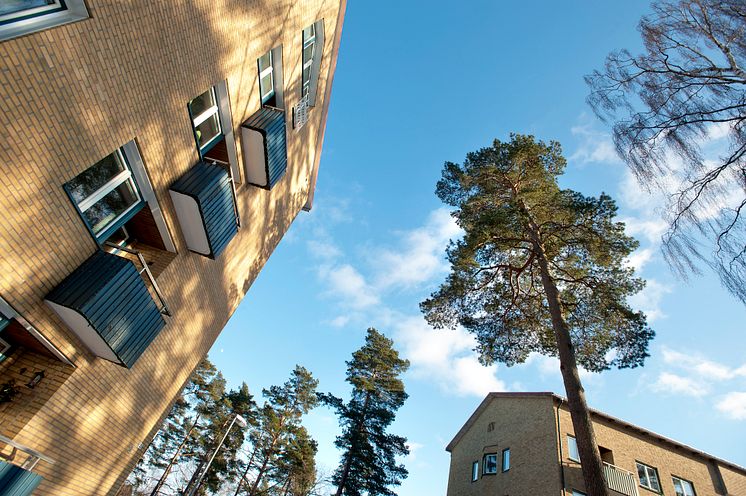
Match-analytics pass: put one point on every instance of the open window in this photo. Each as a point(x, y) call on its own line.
point(117, 203)
point(269, 67)
point(20, 17)
point(313, 44)
point(210, 114)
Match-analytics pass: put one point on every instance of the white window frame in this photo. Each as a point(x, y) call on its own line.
point(269, 70)
point(308, 64)
point(505, 461)
point(485, 463)
point(74, 10)
point(208, 113)
point(683, 483)
point(125, 176)
point(475, 471)
point(572, 449)
point(648, 471)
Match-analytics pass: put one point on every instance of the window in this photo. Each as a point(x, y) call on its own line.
point(648, 477)
point(490, 427)
point(572, 449)
point(205, 116)
point(577, 493)
point(19, 17)
point(683, 487)
point(506, 460)
point(309, 49)
point(266, 79)
point(313, 42)
point(474, 471)
point(489, 465)
point(106, 195)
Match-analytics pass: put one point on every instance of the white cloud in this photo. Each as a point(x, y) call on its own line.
point(348, 285)
point(421, 254)
point(733, 405)
point(702, 367)
point(414, 447)
point(323, 249)
point(445, 357)
point(649, 299)
point(595, 146)
point(676, 384)
point(340, 321)
point(639, 258)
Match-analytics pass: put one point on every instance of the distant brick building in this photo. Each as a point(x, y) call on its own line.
point(182, 134)
point(522, 444)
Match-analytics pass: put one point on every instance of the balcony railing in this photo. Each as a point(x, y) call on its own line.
point(620, 480)
point(17, 479)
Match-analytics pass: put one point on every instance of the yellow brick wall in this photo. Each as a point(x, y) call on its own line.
point(73, 94)
point(523, 425)
point(629, 447)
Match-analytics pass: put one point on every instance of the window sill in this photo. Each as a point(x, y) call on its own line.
point(35, 24)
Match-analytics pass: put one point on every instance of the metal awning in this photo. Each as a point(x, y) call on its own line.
point(16, 481)
point(106, 303)
point(265, 147)
point(205, 204)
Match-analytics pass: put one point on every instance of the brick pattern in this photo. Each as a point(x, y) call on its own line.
point(532, 426)
point(70, 96)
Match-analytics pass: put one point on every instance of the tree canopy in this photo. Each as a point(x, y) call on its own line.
point(667, 105)
point(369, 464)
point(539, 269)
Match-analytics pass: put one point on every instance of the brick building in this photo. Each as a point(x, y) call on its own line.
point(152, 155)
point(522, 444)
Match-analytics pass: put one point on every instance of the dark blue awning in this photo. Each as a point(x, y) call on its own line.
point(265, 166)
point(105, 301)
point(206, 208)
point(15, 481)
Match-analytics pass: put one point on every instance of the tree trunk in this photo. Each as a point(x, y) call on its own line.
point(590, 457)
point(348, 459)
point(167, 470)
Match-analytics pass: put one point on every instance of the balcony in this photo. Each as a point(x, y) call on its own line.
point(17, 479)
point(107, 304)
point(265, 147)
point(620, 480)
point(205, 203)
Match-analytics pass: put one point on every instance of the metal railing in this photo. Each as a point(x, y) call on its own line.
point(300, 113)
point(32, 459)
point(620, 480)
point(164, 308)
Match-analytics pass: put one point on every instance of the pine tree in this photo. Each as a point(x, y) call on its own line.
point(368, 462)
point(279, 420)
point(540, 269)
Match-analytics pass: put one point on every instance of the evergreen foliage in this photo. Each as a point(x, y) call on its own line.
point(540, 269)
point(369, 464)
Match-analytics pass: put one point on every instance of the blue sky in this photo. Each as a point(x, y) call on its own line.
point(421, 83)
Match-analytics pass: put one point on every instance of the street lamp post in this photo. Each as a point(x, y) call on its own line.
point(242, 423)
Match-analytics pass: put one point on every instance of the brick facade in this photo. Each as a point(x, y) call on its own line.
point(535, 427)
point(73, 94)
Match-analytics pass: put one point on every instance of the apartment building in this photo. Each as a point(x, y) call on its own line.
point(152, 155)
point(522, 444)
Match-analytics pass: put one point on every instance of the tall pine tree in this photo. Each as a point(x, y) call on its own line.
point(368, 464)
point(540, 269)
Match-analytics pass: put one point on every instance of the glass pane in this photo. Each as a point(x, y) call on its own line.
point(265, 61)
point(677, 487)
point(642, 475)
point(506, 460)
point(207, 130)
point(688, 488)
point(266, 85)
point(306, 75)
point(14, 6)
point(202, 103)
point(572, 447)
point(490, 464)
point(89, 181)
point(309, 32)
point(653, 478)
point(475, 471)
point(107, 209)
point(308, 52)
